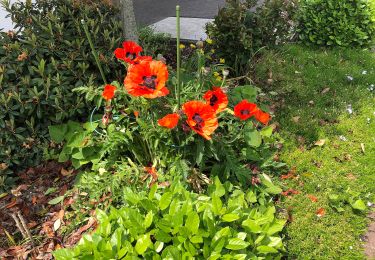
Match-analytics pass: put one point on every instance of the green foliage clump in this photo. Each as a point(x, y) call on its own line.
point(178, 224)
point(241, 29)
point(341, 23)
point(40, 65)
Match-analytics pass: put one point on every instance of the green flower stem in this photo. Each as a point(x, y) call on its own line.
point(178, 56)
point(94, 53)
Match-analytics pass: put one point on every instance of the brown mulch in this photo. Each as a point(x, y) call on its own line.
point(370, 238)
point(28, 204)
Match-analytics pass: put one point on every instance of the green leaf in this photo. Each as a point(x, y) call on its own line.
point(267, 131)
point(57, 132)
point(236, 244)
point(196, 239)
point(359, 205)
point(148, 219)
point(56, 200)
point(251, 225)
point(165, 200)
point(266, 249)
point(277, 226)
point(217, 204)
point(219, 187)
point(143, 243)
point(252, 138)
point(230, 217)
point(192, 222)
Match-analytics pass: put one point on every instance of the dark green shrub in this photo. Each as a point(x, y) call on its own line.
point(41, 64)
point(342, 23)
point(239, 30)
point(178, 224)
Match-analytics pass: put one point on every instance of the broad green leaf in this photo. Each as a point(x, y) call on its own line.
point(252, 137)
point(359, 205)
point(267, 131)
point(221, 233)
point(56, 200)
point(217, 204)
point(252, 226)
point(251, 197)
point(159, 246)
point(165, 200)
point(57, 132)
point(230, 217)
point(192, 222)
point(148, 219)
point(277, 226)
point(196, 239)
point(236, 244)
point(219, 187)
point(143, 243)
point(266, 249)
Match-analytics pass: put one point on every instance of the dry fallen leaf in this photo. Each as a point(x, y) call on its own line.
point(65, 172)
point(326, 90)
point(320, 212)
point(312, 198)
point(320, 142)
point(57, 224)
point(17, 192)
point(296, 119)
point(363, 147)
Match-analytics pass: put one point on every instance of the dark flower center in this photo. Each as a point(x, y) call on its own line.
point(245, 112)
point(213, 100)
point(199, 120)
point(130, 55)
point(149, 82)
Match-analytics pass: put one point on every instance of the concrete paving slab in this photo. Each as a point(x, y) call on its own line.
point(192, 29)
point(150, 11)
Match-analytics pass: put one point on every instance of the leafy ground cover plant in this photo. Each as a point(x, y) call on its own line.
point(341, 23)
point(325, 105)
point(176, 223)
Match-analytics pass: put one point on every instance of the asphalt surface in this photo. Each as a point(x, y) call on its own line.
point(150, 11)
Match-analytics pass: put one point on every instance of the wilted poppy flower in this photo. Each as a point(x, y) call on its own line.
point(217, 99)
point(147, 79)
point(201, 118)
point(244, 110)
point(129, 52)
point(108, 92)
point(262, 117)
point(169, 121)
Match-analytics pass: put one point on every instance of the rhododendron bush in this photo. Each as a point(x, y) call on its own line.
point(216, 130)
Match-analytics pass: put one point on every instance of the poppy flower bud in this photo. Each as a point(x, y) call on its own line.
point(225, 73)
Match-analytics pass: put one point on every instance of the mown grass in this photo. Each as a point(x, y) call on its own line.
point(301, 76)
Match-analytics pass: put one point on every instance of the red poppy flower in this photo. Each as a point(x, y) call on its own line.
point(244, 110)
point(201, 118)
point(129, 52)
point(169, 121)
point(217, 99)
point(262, 117)
point(147, 79)
point(109, 92)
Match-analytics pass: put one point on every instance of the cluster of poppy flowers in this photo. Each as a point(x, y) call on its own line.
point(147, 78)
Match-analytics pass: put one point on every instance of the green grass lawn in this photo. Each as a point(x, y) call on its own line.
point(314, 93)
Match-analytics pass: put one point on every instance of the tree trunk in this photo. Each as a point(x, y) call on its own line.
point(127, 16)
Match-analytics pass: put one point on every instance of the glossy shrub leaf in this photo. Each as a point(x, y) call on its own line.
point(236, 244)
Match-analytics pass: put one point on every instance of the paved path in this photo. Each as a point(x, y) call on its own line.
point(150, 11)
